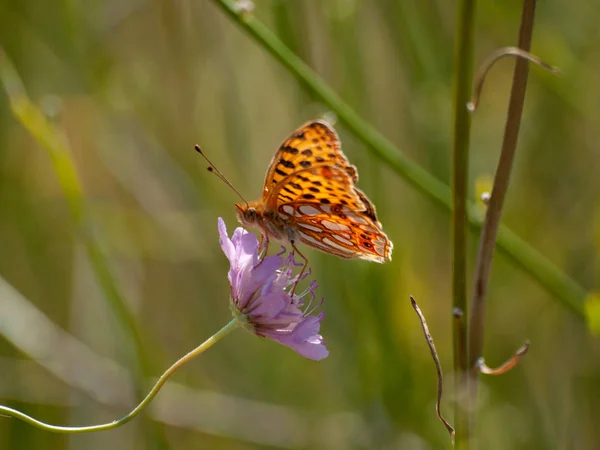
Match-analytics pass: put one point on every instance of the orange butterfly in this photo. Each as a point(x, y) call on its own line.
point(309, 196)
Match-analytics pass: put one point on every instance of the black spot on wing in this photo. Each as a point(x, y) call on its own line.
point(288, 164)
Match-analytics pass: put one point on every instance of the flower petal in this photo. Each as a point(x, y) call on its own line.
point(267, 307)
point(247, 247)
point(264, 274)
point(226, 244)
point(304, 338)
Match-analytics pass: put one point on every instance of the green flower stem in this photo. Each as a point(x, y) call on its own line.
point(566, 290)
point(235, 323)
point(463, 60)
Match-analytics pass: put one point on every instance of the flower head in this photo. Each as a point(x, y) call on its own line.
point(260, 292)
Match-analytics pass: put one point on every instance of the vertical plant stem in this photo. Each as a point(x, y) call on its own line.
point(462, 126)
point(494, 211)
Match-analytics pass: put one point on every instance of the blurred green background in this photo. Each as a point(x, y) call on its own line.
point(134, 84)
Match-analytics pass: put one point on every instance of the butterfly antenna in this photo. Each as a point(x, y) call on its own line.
point(213, 169)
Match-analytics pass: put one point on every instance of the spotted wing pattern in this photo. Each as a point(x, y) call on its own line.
point(310, 184)
point(312, 149)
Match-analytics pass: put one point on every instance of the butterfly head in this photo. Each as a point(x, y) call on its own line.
point(269, 223)
point(247, 214)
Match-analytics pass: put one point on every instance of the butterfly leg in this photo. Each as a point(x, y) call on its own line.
point(263, 246)
point(296, 251)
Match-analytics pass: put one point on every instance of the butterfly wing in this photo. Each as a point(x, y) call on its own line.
point(340, 230)
point(310, 184)
point(315, 145)
point(322, 185)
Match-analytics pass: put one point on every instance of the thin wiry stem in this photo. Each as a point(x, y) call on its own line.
point(493, 59)
point(232, 325)
point(501, 181)
point(564, 288)
point(438, 366)
point(512, 362)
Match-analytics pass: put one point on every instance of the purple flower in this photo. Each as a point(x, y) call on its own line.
point(260, 293)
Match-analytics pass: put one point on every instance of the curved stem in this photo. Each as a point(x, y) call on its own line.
point(506, 366)
point(438, 366)
point(236, 322)
point(492, 59)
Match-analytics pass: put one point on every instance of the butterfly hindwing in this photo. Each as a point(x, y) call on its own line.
point(339, 230)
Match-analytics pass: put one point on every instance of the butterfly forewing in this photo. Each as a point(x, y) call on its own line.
point(322, 185)
point(315, 144)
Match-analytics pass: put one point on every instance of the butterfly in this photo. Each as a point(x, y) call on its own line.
point(309, 196)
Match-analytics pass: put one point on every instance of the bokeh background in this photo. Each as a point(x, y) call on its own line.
point(134, 84)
